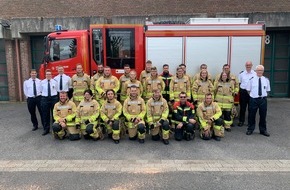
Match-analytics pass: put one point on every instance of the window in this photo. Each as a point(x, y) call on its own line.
point(120, 48)
point(63, 49)
point(97, 46)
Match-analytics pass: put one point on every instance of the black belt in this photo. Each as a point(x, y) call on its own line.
point(34, 97)
point(49, 96)
point(261, 97)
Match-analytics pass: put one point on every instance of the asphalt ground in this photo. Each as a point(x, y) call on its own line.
point(19, 144)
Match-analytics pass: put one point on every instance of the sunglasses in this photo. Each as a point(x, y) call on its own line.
point(182, 96)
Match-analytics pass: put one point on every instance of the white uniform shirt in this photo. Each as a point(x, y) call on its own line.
point(66, 82)
point(28, 88)
point(253, 87)
point(244, 78)
point(53, 87)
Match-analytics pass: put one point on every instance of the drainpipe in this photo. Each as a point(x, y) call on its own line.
point(18, 70)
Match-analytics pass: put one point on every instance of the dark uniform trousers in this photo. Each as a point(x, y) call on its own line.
point(47, 104)
point(244, 102)
point(254, 105)
point(32, 103)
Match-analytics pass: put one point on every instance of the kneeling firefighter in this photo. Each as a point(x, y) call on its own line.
point(87, 117)
point(110, 113)
point(64, 113)
point(157, 114)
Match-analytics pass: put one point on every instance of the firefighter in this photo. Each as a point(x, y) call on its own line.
point(110, 113)
point(201, 86)
point(166, 77)
point(87, 117)
point(157, 113)
point(64, 113)
point(80, 82)
point(94, 79)
point(224, 89)
point(124, 78)
point(179, 83)
point(234, 78)
point(133, 82)
point(197, 75)
point(145, 74)
point(183, 66)
point(106, 82)
point(184, 118)
point(134, 110)
point(209, 116)
point(153, 82)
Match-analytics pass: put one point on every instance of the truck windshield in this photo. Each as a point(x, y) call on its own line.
point(62, 49)
point(120, 46)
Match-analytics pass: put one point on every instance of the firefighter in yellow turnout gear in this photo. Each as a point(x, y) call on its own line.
point(200, 87)
point(134, 110)
point(152, 83)
point(179, 83)
point(145, 74)
point(105, 83)
point(157, 113)
point(123, 79)
point(80, 83)
point(209, 114)
point(64, 113)
point(110, 113)
point(94, 79)
point(133, 82)
point(224, 95)
point(87, 117)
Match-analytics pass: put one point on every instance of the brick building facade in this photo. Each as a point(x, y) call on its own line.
point(24, 23)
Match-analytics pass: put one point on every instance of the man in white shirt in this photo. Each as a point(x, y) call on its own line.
point(258, 88)
point(31, 88)
point(49, 97)
point(63, 81)
point(244, 78)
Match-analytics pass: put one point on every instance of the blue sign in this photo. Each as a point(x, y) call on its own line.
point(57, 27)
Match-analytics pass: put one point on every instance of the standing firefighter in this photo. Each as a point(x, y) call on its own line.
point(201, 86)
point(110, 113)
point(166, 77)
point(224, 96)
point(157, 113)
point(209, 114)
point(123, 79)
point(179, 83)
point(80, 83)
point(94, 79)
point(133, 82)
point(146, 73)
point(87, 117)
point(134, 110)
point(64, 114)
point(152, 83)
point(105, 83)
point(184, 118)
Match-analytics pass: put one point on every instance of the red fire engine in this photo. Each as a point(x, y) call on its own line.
point(214, 42)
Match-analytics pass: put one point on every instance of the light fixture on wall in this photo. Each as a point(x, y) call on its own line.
point(5, 23)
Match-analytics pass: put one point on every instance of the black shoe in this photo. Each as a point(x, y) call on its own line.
point(217, 138)
point(34, 128)
point(187, 137)
point(249, 132)
point(166, 141)
point(228, 129)
point(45, 133)
point(116, 141)
point(141, 141)
point(240, 124)
point(265, 133)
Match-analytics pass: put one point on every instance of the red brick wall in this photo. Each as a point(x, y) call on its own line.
point(109, 8)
